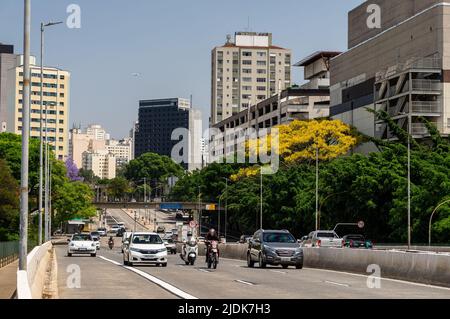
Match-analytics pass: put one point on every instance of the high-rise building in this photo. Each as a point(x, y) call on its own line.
point(7, 61)
point(402, 68)
point(80, 142)
point(122, 150)
point(158, 120)
point(97, 132)
point(56, 94)
point(101, 163)
point(246, 72)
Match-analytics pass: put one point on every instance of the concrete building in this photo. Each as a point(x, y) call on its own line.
point(7, 61)
point(56, 92)
point(402, 68)
point(122, 150)
point(97, 132)
point(158, 120)
point(101, 163)
point(80, 142)
point(309, 101)
point(246, 71)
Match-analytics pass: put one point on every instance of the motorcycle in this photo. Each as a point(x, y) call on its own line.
point(189, 252)
point(111, 244)
point(213, 254)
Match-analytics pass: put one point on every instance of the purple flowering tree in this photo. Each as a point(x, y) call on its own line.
point(72, 170)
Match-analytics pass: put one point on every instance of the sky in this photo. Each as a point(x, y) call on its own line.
point(167, 43)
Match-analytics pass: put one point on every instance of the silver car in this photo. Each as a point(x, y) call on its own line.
point(322, 238)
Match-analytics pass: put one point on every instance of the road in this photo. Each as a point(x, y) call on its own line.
point(105, 277)
point(163, 219)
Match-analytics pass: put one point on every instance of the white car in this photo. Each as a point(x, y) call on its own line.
point(114, 229)
point(81, 244)
point(144, 248)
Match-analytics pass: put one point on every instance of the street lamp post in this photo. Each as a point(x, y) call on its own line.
point(226, 206)
point(23, 247)
point(431, 219)
point(261, 198)
point(43, 26)
point(317, 188)
point(409, 178)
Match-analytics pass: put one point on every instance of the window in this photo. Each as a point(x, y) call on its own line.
point(261, 80)
point(261, 71)
point(247, 62)
point(261, 63)
point(62, 77)
point(246, 79)
point(246, 88)
point(246, 53)
point(247, 71)
point(261, 54)
point(261, 88)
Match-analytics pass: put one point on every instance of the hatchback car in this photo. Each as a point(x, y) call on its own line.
point(356, 241)
point(274, 247)
point(81, 244)
point(145, 248)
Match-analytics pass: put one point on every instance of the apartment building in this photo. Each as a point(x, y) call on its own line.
point(403, 68)
point(101, 163)
point(122, 150)
point(246, 71)
point(80, 141)
point(308, 101)
point(7, 61)
point(158, 120)
point(56, 95)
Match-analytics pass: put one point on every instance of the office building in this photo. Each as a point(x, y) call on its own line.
point(158, 120)
point(7, 61)
point(246, 71)
point(308, 101)
point(122, 150)
point(56, 94)
point(403, 68)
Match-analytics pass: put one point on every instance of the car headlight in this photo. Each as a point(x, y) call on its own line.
point(162, 250)
point(268, 249)
point(299, 251)
point(135, 250)
point(72, 245)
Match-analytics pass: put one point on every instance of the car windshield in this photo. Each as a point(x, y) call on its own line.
point(278, 238)
point(81, 238)
point(326, 235)
point(94, 233)
point(147, 239)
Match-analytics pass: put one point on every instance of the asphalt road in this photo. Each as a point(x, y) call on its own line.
point(105, 277)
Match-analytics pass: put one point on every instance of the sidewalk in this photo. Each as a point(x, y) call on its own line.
point(8, 280)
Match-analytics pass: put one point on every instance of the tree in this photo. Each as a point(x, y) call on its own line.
point(118, 188)
point(9, 204)
point(72, 170)
point(153, 167)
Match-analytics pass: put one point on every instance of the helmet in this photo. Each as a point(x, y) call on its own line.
point(212, 231)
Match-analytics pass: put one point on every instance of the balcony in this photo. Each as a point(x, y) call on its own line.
point(421, 129)
point(426, 107)
point(426, 85)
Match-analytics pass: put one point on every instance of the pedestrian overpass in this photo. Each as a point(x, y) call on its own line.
point(158, 205)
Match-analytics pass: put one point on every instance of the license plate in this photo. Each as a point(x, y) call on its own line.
point(83, 249)
point(285, 258)
point(150, 256)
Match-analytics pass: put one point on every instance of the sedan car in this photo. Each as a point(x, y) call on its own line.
point(170, 245)
point(95, 235)
point(102, 232)
point(145, 248)
point(81, 244)
point(274, 247)
point(356, 241)
point(323, 238)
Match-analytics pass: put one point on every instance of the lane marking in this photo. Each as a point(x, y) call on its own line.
point(336, 283)
point(386, 279)
point(279, 272)
point(204, 270)
point(245, 282)
point(172, 289)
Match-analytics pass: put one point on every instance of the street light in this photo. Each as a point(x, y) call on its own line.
point(47, 175)
point(43, 26)
point(23, 246)
point(409, 174)
point(431, 219)
point(226, 205)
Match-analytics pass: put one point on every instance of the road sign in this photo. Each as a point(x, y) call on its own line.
point(211, 207)
point(193, 224)
point(171, 206)
point(361, 224)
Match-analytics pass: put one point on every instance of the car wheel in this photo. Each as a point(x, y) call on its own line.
point(69, 255)
point(93, 255)
point(192, 263)
point(164, 265)
point(187, 263)
point(125, 262)
point(261, 262)
point(250, 262)
point(299, 266)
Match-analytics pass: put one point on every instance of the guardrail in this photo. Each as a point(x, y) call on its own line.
point(414, 266)
point(30, 283)
point(9, 252)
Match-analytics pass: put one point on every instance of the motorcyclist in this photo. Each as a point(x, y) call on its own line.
point(189, 238)
point(210, 236)
point(111, 242)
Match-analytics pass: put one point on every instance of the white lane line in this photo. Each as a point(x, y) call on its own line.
point(336, 283)
point(172, 289)
point(245, 282)
point(204, 270)
point(279, 272)
point(386, 279)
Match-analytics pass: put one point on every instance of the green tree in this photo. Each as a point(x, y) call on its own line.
point(119, 188)
point(153, 167)
point(9, 204)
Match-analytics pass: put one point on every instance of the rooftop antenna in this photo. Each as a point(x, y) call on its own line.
point(228, 38)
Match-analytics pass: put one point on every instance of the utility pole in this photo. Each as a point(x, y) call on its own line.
point(226, 207)
point(409, 178)
point(41, 142)
point(261, 191)
point(317, 188)
point(23, 247)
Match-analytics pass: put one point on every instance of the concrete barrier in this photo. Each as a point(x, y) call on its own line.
point(30, 283)
point(421, 267)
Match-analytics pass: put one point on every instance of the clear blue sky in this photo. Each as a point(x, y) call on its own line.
point(168, 42)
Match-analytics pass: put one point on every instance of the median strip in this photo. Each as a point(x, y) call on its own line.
point(172, 289)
